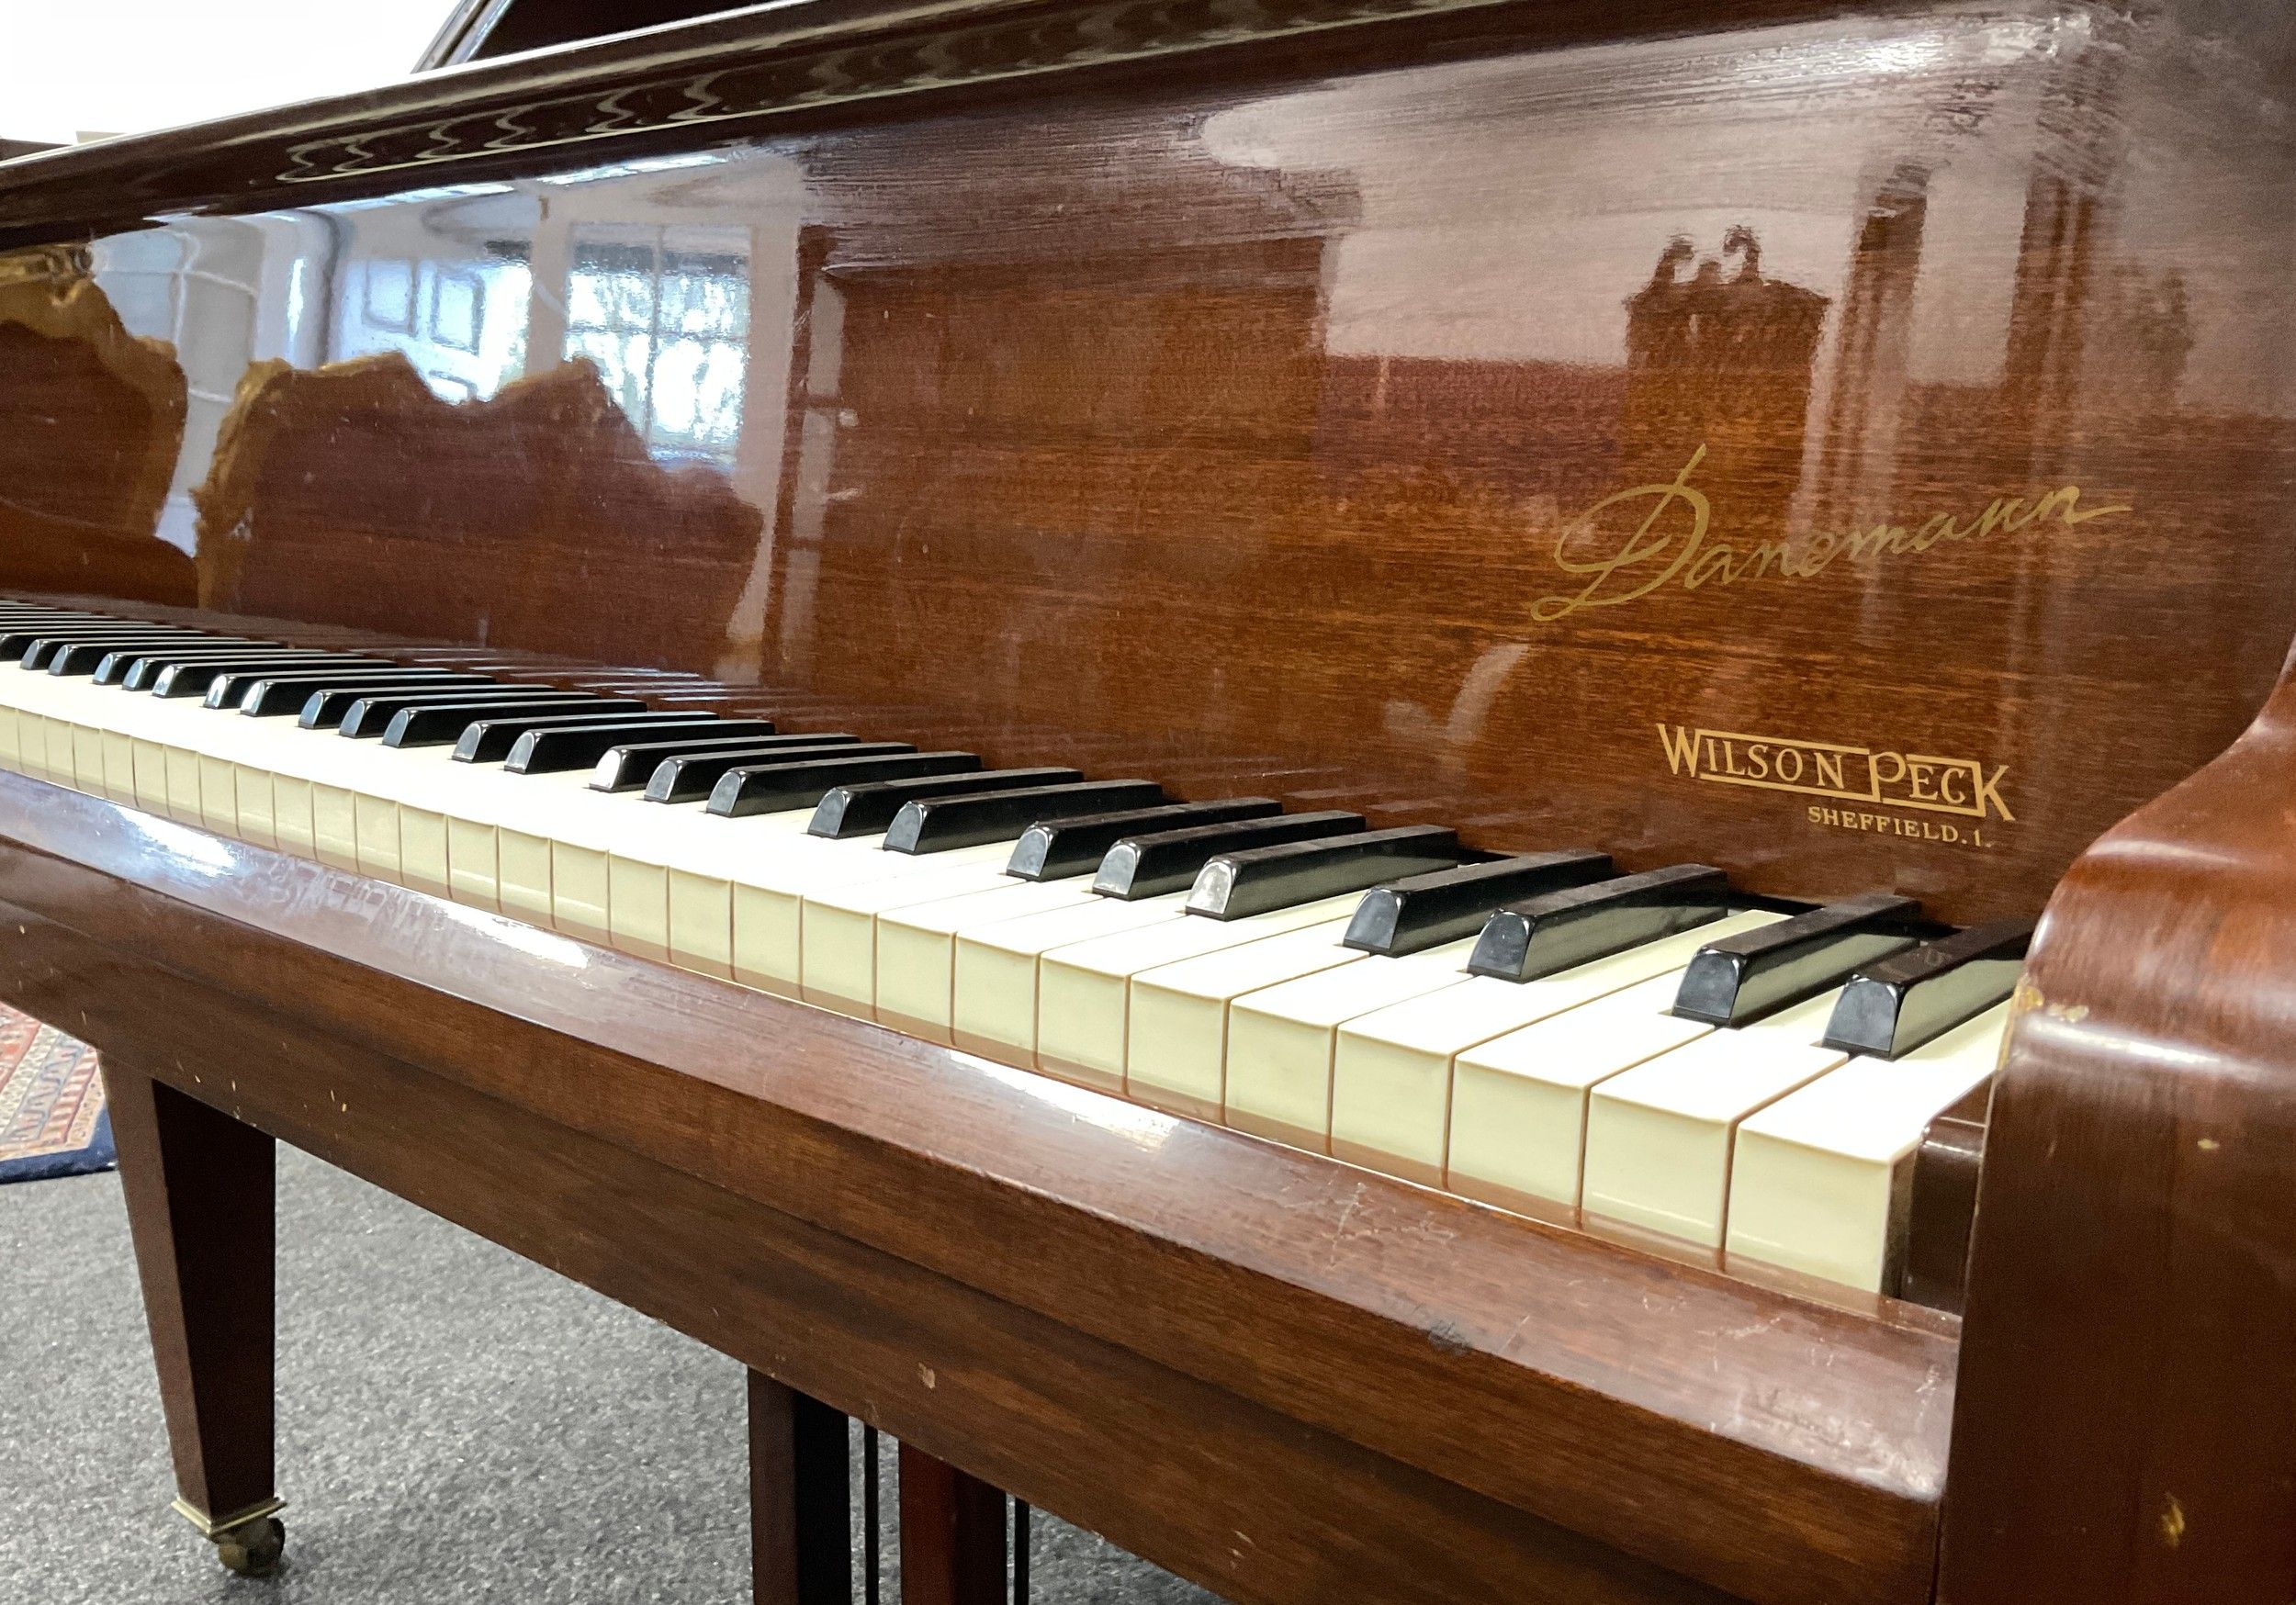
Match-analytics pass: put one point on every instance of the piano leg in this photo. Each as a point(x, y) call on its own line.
point(200, 1207)
point(952, 1534)
point(800, 1546)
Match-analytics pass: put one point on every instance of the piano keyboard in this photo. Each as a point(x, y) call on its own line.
point(1656, 1054)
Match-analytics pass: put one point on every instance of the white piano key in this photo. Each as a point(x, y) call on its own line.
point(701, 912)
point(252, 787)
point(522, 870)
point(770, 885)
point(1519, 1102)
point(87, 758)
point(645, 840)
point(1083, 991)
point(61, 743)
point(1658, 1137)
point(423, 861)
point(151, 775)
point(1280, 1040)
point(35, 744)
point(917, 947)
point(374, 833)
point(119, 768)
point(182, 796)
point(995, 977)
point(838, 925)
point(334, 824)
point(637, 907)
point(1820, 1179)
point(649, 851)
point(1392, 1069)
point(1176, 1043)
point(471, 876)
point(291, 814)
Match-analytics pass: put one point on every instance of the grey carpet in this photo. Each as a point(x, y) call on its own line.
point(454, 1424)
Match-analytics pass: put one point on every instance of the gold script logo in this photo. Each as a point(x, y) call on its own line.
point(1849, 774)
point(1671, 543)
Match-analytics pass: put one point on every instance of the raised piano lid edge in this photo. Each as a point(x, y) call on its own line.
point(447, 126)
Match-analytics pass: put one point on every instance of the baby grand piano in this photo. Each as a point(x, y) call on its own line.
point(1277, 768)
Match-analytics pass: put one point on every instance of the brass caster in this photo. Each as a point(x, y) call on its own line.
point(247, 1542)
point(252, 1549)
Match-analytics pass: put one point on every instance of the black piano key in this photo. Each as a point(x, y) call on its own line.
point(1426, 910)
point(32, 624)
point(691, 777)
point(193, 678)
point(439, 723)
point(870, 807)
point(628, 767)
point(1739, 978)
point(34, 627)
point(41, 655)
point(327, 709)
point(1237, 885)
point(1560, 930)
point(17, 644)
point(227, 689)
point(494, 737)
point(940, 825)
point(263, 695)
point(489, 733)
point(1169, 861)
point(136, 668)
point(370, 712)
point(774, 788)
point(1053, 849)
point(74, 658)
point(116, 664)
point(1892, 1007)
point(553, 748)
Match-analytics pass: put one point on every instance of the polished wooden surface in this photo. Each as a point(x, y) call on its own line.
point(953, 1530)
point(199, 1187)
point(84, 390)
point(1430, 1400)
point(1567, 422)
point(775, 66)
point(1815, 448)
point(2125, 1428)
point(800, 1498)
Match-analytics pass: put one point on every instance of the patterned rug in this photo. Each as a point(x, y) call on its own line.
point(51, 1104)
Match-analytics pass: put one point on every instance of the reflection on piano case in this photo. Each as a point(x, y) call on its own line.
point(1426, 802)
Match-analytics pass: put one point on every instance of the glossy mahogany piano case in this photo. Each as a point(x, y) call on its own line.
point(1848, 445)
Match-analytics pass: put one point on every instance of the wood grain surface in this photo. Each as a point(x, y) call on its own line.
point(2127, 1428)
point(1819, 447)
point(1533, 1385)
point(1847, 444)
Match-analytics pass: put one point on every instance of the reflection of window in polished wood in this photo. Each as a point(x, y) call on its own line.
point(1722, 362)
point(335, 495)
point(665, 316)
point(91, 420)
